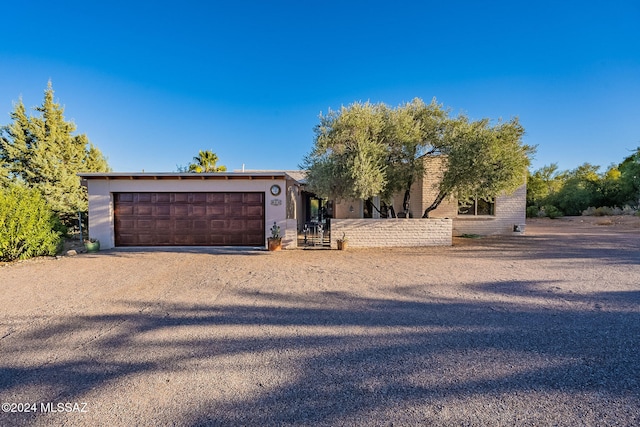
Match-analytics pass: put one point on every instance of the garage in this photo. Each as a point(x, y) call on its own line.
point(128, 209)
point(189, 219)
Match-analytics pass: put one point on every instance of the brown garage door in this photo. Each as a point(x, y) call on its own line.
point(189, 219)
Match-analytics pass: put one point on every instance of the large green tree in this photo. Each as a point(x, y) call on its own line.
point(347, 160)
point(367, 150)
point(206, 161)
point(42, 151)
point(630, 179)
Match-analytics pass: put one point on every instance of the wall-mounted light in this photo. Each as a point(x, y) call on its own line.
point(351, 208)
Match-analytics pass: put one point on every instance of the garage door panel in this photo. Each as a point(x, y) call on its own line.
point(162, 210)
point(254, 211)
point(181, 197)
point(182, 225)
point(144, 209)
point(125, 209)
point(145, 224)
point(218, 225)
point(198, 197)
point(162, 197)
point(125, 224)
point(197, 210)
point(217, 210)
point(217, 198)
point(235, 197)
point(257, 198)
point(164, 224)
point(123, 197)
point(181, 210)
point(166, 219)
point(255, 226)
point(201, 224)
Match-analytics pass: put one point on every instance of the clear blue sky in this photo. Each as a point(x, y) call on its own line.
point(153, 82)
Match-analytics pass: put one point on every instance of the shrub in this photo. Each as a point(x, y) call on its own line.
point(603, 211)
point(533, 212)
point(628, 210)
point(607, 211)
point(551, 212)
point(27, 225)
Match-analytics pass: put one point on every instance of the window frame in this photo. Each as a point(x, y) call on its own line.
point(474, 206)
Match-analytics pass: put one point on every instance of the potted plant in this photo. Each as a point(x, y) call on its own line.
point(342, 243)
point(275, 241)
point(92, 244)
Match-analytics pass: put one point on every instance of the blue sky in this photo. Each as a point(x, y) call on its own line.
point(153, 82)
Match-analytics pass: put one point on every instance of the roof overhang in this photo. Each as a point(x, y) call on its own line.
point(182, 176)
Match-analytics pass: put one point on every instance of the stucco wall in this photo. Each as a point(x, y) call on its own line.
point(342, 209)
point(398, 232)
point(101, 222)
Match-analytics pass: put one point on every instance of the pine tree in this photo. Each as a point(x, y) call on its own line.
point(42, 152)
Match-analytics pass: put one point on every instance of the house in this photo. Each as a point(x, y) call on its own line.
point(239, 209)
point(189, 209)
point(501, 216)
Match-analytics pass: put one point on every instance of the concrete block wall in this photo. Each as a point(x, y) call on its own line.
point(509, 211)
point(393, 232)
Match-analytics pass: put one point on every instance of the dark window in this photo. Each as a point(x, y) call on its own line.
point(476, 207)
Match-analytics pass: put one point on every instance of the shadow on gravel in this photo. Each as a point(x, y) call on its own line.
point(608, 249)
point(367, 359)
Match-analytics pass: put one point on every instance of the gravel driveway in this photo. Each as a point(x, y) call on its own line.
point(541, 329)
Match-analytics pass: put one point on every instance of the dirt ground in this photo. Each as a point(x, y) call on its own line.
point(537, 329)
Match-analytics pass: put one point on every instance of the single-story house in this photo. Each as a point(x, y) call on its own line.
point(239, 209)
point(506, 214)
point(190, 209)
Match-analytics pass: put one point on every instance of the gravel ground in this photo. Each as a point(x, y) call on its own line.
point(540, 329)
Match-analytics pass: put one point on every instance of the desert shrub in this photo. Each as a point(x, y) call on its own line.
point(27, 225)
point(603, 211)
point(550, 211)
point(607, 211)
point(533, 212)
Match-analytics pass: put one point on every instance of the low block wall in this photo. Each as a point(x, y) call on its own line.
point(395, 232)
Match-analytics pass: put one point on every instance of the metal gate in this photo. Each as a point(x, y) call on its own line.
point(315, 234)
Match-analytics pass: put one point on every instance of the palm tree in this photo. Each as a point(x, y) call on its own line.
point(206, 161)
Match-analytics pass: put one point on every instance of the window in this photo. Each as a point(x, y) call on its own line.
point(476, 207)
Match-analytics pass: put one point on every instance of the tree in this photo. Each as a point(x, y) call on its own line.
point(630, 178)
point(580, 189)
point(482, 160)
point(42, 152)
point(206, 161)
point(544, 182)
point(367, 150)
point(348, 158)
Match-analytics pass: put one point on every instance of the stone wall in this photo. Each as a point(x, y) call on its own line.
point(398, 232)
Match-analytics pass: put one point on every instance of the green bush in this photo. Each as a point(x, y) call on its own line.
point(603, 211)
point(27, 225)
point(551, 212)
point(533, 212)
